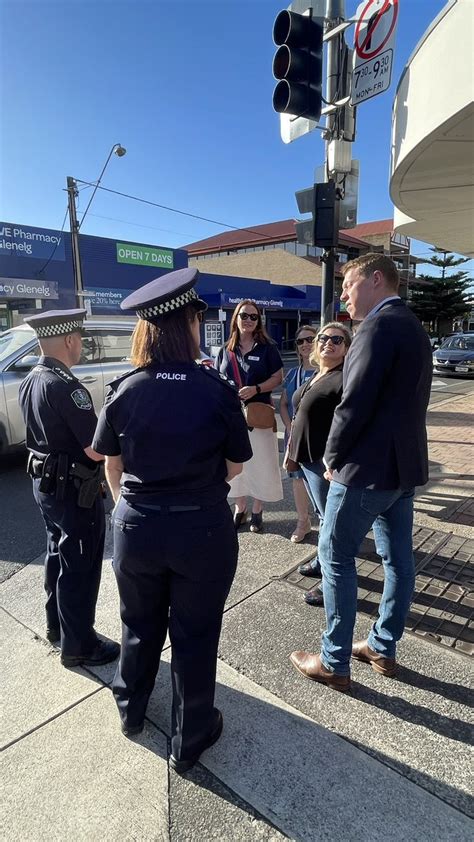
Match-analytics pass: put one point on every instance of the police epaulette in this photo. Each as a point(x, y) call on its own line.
point(63, 375)
point(118, 380)
point(66, 376)
point(217, 375)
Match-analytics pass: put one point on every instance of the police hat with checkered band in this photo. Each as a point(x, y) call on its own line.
point(165, 295)
point(56, 322)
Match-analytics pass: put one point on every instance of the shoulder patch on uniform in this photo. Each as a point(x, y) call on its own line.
point(81, 398)
point(218, 376)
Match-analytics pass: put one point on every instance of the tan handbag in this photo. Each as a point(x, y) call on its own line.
point(259, 415)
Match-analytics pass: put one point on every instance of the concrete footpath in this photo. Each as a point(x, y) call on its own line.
point(393, 761)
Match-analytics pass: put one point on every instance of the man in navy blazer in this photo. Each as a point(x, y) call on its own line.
point(375, 455)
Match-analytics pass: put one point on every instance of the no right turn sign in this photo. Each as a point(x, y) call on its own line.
point(373, 49)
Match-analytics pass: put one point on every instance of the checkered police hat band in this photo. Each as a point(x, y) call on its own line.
point(167, 306)
point(57, 330)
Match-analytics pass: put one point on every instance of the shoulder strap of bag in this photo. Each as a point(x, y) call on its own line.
point(299, 376)
point(235, 368)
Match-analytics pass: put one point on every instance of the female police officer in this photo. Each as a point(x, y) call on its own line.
point(174, 434)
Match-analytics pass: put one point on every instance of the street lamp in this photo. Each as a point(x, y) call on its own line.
point(74, 225)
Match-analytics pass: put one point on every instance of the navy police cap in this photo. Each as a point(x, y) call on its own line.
point(56, 322)
point(164, 295)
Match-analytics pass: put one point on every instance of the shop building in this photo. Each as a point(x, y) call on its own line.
point(256, 252)
point(264, 263)
point(36, 273)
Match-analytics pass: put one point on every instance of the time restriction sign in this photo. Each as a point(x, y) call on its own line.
point(373, 49)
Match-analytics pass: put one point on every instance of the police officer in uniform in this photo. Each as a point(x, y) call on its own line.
point(174, 434)
point(60, 424)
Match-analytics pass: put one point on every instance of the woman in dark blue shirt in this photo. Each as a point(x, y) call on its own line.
point(252, 360)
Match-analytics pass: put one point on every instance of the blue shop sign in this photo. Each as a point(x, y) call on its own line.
point(106, 298)
point(276, 303)
point(24, 241)
point(28, 288)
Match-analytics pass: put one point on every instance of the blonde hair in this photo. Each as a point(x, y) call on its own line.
point(374, 262)
point(314, 357)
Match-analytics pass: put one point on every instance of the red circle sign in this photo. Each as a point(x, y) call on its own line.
point(371, 30)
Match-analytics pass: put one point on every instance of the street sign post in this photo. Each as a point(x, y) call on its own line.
point(373, 49)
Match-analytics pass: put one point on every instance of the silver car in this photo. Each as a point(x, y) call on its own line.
point(105, 355)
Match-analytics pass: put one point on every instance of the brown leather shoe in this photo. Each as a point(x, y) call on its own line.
point(361, 651)
point(311, 667)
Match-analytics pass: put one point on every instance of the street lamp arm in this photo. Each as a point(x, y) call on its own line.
point(120, 151)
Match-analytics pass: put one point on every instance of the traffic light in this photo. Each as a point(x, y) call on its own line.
point(298, 64)
point(321, 202)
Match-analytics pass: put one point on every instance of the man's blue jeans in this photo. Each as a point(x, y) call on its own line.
point(317, 488)
point(349, 515)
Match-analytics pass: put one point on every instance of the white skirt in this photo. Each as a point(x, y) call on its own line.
point(260, 477)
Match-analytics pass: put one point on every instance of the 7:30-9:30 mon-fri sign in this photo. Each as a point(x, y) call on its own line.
point(373, 49)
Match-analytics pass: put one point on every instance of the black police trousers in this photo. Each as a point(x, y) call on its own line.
point(174, 571)
point(73, 566)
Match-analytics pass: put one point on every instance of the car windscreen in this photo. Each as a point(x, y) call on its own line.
point(13, 340)
point(466, 343)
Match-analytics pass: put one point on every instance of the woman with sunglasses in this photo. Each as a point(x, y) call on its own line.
point(173, 434)
point(315, 403)
point(304, 341)
point(251, 359)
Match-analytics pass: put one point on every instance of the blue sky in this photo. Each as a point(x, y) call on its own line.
point(186, 87)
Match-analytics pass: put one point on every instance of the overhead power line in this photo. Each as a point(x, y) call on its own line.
point(181, 212)
point(54, 249)
point(141, 225)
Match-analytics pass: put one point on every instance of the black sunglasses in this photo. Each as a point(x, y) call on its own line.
point(304, 339)
point(336, 340)
point(252, 316)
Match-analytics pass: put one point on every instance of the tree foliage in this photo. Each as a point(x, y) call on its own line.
point(445, 297)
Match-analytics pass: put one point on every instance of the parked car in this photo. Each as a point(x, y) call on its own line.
point(455, 356)
point(105, 355)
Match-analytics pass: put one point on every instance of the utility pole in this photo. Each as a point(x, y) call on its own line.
point(72, 192)
point(335, 13)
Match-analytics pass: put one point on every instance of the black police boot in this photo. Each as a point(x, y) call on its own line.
point(311, 568)
point(182, 766)
point(104, 651)
point(53, 634)
point(314, 596)
point(132, 730)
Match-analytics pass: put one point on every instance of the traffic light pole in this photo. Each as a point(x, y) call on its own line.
point(76, 254)
point(335, 13)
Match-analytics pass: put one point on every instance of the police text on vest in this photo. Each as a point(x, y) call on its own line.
point(166, 375)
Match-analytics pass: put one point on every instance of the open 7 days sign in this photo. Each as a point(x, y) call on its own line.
point(373, 49)
point(144, 255)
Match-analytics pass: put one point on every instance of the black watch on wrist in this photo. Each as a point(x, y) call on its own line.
point(258, 388)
